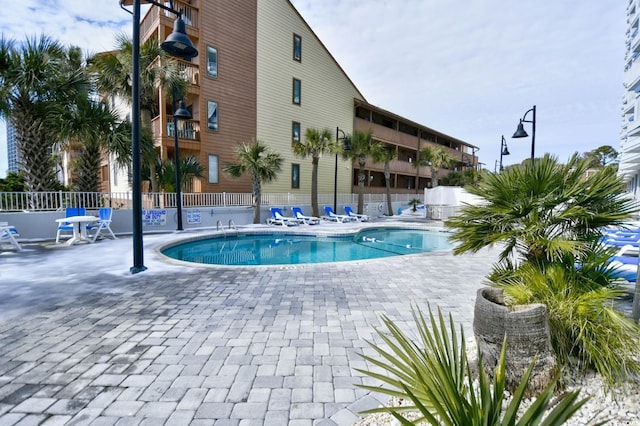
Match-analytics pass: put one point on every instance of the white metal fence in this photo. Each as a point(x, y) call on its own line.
point(52, 201)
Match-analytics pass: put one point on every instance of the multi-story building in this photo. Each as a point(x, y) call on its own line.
point(629, 167)
point(262, 73)
point(13, 156)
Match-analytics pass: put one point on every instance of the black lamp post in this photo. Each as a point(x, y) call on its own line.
point(521, 133)
point(503, 151)
point(181, 113)
point(345, 140)
point(177, 44)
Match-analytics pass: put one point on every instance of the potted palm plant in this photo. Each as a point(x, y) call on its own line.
point(547, 219)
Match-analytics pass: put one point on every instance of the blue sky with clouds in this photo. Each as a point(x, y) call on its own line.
point(470, 69)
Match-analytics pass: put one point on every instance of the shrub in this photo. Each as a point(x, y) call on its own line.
point(437, 378)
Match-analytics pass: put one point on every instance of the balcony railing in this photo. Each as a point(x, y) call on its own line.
point(187, 129)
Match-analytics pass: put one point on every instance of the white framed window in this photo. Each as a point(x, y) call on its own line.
point(213, 169)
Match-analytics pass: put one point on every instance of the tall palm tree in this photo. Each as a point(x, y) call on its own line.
point(386, 154)
point(435, 157)
point(262, 164)
point(113, 70)
point(317, 142)
point(37, 85)
point(362, 147)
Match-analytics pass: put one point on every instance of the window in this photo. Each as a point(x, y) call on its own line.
point(297, 48)
point(295, 132)
point(295, 176)
point(212, 115)
point(212, 62)
point(296, 91)
point(213, 169)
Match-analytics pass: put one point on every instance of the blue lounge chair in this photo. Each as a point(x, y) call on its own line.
point(67, 227)
point(8, 235)
point(330, 215)
point(103, 224)
point(277, 218)
point(308, 220)
point(358, 217)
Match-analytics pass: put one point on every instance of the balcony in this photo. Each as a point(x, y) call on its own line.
point(188, 132)
point(187, 129)
point(152, 19)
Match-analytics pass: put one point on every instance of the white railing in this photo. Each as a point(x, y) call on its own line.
point(52, 201)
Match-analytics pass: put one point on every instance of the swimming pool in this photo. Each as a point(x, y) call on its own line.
point(292, 248)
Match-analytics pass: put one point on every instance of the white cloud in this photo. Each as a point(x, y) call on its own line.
point(468, 69)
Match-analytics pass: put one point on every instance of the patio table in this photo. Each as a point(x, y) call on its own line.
point(80, 231)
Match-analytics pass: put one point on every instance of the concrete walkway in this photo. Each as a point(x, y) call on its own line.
point(84, 342)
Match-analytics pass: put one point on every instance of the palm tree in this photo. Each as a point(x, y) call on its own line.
point(113, 69)
point(385, 155)
point(548, 220)
point(362, 147)
point(190, 167)
point(263, 166)
point(97, 129)
point(317, 142)
point(435, 157)
point(37, 85)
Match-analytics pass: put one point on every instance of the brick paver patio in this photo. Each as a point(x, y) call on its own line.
point(205, 346)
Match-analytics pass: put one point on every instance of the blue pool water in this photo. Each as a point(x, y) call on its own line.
point(293, 249)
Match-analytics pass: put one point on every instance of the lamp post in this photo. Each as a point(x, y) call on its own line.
point(503, 151)
point(335, 174)
point(177, 44)
point(521, 133)
point(181, 113)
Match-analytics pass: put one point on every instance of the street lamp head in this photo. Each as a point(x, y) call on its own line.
point(182, 112)
point(520, 132)
point(346, 143)
point(505, 151)
point(178, 43)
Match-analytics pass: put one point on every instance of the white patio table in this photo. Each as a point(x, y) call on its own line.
point(80, 231)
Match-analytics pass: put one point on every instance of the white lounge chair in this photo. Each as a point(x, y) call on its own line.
point(330, 215)
point(358, 217)
point(308, 220)
point(8, 235)
point(277, 218)
point(103, 224)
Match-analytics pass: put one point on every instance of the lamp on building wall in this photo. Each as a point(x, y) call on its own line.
point(346, 147)
point(521, 133)
point(181, 113)
point(503, 151)
point(177, 45)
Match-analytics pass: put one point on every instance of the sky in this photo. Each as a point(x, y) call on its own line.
point(470, 70)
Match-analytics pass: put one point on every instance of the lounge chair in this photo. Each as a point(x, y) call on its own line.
point(358, 217)
point(104, 223)
point(67, 227)
point(330, 215)
point(8, 235)
point(308, 220)
point(277, 218)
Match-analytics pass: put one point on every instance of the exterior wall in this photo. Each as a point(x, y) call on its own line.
point(230, 27)
point(327, 95)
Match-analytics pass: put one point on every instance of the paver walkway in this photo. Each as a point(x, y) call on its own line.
point(205, 346)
